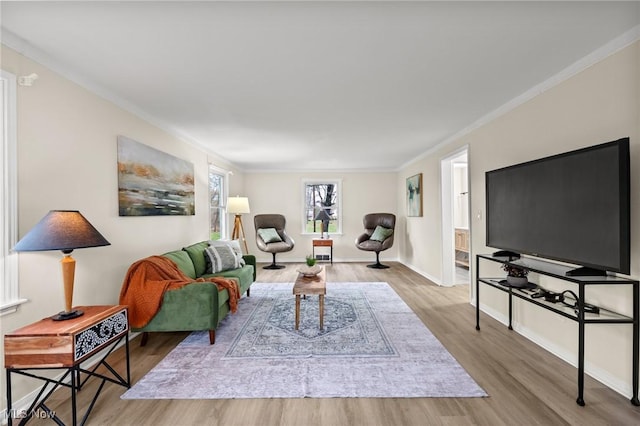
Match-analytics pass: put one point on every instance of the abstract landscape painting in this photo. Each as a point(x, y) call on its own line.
point(152, 182)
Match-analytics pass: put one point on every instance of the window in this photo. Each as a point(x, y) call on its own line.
point(9, 294)
point(217, 203)
point(322, 197)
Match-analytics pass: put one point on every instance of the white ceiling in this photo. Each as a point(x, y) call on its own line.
point(313, 85)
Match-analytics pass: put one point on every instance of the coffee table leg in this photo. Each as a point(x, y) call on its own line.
point(297, 310)
point(321, 311)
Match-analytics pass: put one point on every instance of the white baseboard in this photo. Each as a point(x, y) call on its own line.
point(571, 358)
point(437, 281)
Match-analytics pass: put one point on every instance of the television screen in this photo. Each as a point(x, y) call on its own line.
point(572, 207)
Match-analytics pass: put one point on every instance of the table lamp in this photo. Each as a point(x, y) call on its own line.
point(64, 230)
point(238, 206)
point(323, 217)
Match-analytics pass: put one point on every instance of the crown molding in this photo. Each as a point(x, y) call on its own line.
point(612, 47)
point(323, 171)
point(28, 50)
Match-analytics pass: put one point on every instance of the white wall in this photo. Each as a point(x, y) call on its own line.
point(67, 158)
point(598, 104)
point(421, 237)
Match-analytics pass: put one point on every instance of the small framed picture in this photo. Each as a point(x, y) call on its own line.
point(414, 195)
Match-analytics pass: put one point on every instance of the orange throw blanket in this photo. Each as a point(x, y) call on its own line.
point(148, 279)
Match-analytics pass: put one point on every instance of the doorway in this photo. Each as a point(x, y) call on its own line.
point(456, 235)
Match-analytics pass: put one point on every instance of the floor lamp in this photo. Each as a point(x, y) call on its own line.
point(238, 206)
point(64, 230)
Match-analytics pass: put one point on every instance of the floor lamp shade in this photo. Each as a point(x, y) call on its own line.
point(64, 230)
point(238, 205)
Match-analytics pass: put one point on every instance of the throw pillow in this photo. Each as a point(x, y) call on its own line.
point(381, 233)
point(221, 258)
point(235, 246)
point(269, 235)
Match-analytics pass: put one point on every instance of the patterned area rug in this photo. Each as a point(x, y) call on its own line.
point(372, 345)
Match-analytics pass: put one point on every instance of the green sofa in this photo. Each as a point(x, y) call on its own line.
point(199, 305)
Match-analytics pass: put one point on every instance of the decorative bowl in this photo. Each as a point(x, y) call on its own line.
point(310, 271)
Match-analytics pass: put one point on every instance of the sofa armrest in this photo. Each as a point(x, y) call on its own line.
point(251, 260)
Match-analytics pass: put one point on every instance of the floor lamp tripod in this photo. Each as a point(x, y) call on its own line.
point(238, 206)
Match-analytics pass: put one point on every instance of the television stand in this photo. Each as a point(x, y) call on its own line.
point(580, 315)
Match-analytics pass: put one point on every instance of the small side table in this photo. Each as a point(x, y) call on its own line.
point(323, 242)
point(64, 345)
point(316, 284)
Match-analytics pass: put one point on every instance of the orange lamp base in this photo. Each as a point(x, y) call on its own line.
point(68, 275)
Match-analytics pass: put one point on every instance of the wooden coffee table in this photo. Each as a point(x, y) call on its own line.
point(310, 285)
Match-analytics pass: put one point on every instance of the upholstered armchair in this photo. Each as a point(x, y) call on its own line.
point(271, 236)
point(378, 235)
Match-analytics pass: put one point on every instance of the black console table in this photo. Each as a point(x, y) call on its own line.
point(579, 315)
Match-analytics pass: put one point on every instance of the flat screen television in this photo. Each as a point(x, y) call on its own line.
point(572, 207)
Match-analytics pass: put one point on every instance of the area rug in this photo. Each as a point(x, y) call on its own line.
point(372, 345)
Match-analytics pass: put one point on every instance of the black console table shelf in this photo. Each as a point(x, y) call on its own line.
point(604, 317)
point(582, 318)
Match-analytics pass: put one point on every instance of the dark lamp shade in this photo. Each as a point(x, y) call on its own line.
point(64, 230)
point(322, 215)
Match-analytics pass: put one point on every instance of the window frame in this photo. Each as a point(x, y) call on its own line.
point(224, 222)
point(10, 298)
point(338, 184)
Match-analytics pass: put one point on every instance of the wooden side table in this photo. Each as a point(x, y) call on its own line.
point(323, 242)
point(304, 285)
point(64, 345)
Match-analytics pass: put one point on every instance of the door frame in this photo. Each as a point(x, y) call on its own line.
point(447, 203)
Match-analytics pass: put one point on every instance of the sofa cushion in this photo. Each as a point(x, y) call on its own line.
point(182, 259)
point(269, 235)
point(244, 276)
point(196, 253)
point(220, 258)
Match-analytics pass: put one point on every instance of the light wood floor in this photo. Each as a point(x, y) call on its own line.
point(526, 384)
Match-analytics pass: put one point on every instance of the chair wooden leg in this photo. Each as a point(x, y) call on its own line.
point(144, 338)
point(212, 337)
